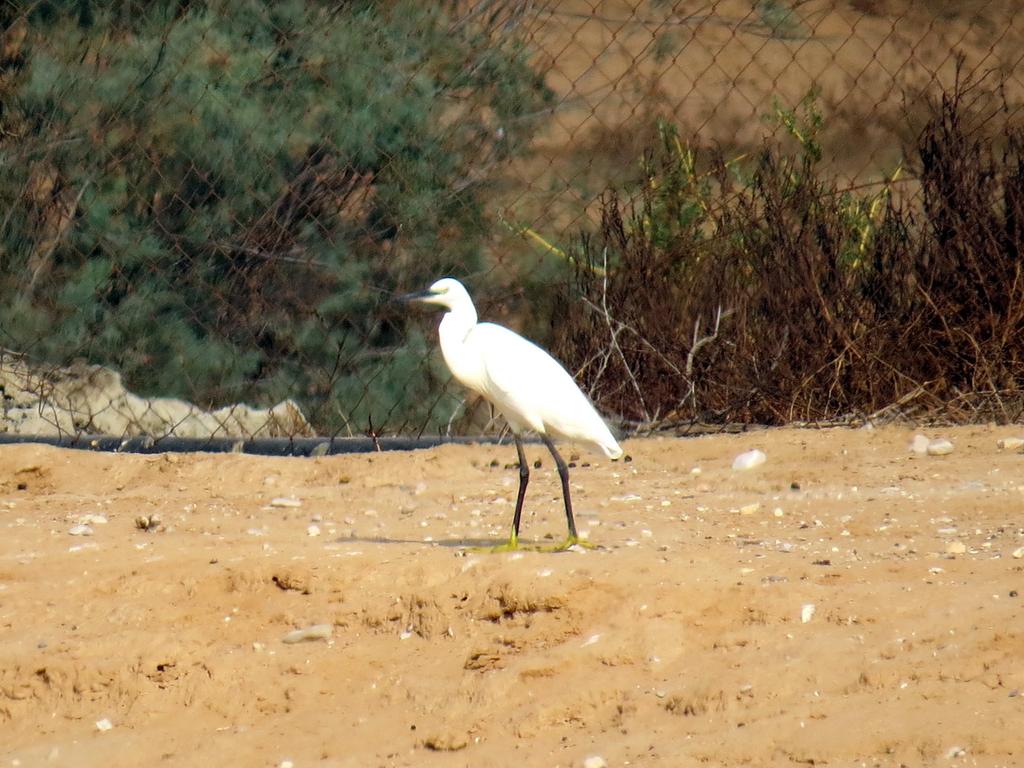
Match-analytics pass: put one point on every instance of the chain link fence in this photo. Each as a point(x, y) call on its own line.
point(207, 207)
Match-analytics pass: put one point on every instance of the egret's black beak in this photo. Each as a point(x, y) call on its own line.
point(415, 296)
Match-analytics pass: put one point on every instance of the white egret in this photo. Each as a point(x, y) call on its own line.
point(528, 387)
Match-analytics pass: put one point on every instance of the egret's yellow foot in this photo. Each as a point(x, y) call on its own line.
point(569, 543)
point(512, 545)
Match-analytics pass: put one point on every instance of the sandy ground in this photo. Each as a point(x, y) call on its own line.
point(679, 641)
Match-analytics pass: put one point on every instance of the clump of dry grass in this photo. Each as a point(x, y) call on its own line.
point(758, 291)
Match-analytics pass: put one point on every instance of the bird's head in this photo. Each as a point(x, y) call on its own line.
point(446, 292)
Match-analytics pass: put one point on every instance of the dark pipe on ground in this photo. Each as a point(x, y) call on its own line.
point(264, 446)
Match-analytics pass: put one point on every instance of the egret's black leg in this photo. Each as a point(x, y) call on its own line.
point(563, 473)
point(524, 479)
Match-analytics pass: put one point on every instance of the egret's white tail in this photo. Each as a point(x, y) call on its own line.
point(612, 450)
point(608, 444)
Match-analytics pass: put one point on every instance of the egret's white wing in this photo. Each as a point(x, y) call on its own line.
point(533, 390)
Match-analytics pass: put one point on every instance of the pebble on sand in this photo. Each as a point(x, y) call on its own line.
point(1018, 553)
point(148, 522)
point(941, 447)
point(749, 459)
point(90, 519)
point(286, 502)
point(315, 632)
point(806, 612)
point(104, 724)
point(595, 761)
point(80, 530)
point(919, 445)
point(1010, 443)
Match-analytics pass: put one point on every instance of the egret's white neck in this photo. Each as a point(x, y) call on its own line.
point(457, 323)
point(455, 326)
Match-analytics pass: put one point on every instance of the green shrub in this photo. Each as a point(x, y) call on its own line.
point(218, 198)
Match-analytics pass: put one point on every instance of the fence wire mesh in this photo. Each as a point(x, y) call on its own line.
point(207, 207)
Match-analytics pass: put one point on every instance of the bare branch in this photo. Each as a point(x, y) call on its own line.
point(701, 341)
point(614, 337)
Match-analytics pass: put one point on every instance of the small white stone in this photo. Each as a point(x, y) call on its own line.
point(286, 502)
point(80, 530)
point(1018, 552)
point(695, 471)
point(749, 509)
point(313, 530)
point(91, 520)
point(749, 460)
point(1010, 443)
point(778, 512)
point(315, 632)
point(286, 764)
point(941, 447)
point(919, 445)
point(104, 724)
point(806, 612)
point(149, 522)
point(594, 761)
